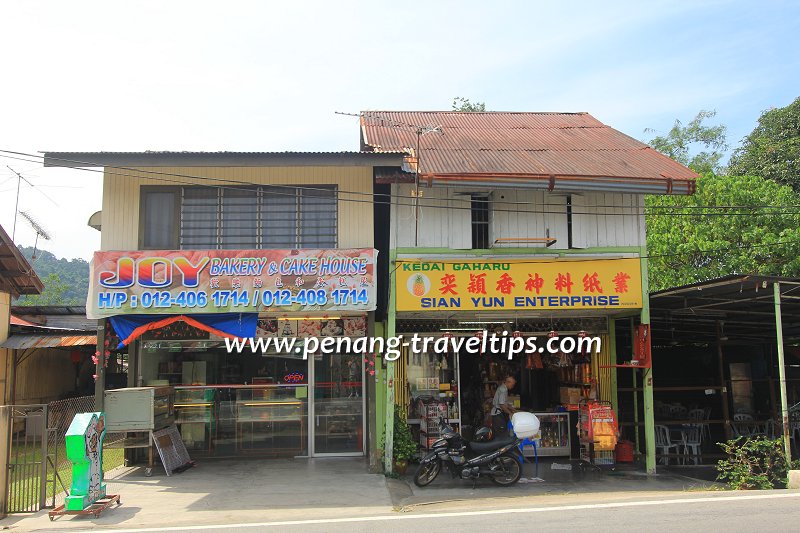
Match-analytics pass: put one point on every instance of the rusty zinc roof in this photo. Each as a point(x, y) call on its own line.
point(558, 150)
point(23, 342)
point(16, 274)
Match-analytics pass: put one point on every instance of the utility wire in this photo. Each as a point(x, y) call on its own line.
point(649, 256)
point(362, 193)
point(247, 186)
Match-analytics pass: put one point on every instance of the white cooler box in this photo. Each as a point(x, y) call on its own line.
point(525, 425)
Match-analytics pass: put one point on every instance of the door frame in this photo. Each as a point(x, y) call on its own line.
point(312, 381)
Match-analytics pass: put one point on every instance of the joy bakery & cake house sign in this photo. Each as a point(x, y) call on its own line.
point(222, 281)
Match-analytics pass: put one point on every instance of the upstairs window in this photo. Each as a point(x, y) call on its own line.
point(480, 222)
point(239, 218)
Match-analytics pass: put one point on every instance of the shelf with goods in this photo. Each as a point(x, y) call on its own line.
point(433, 379)
point(554, 436)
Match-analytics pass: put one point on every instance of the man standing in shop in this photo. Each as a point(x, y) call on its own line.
point(502, 409)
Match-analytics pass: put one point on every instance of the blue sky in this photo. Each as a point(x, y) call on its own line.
point(269, 76)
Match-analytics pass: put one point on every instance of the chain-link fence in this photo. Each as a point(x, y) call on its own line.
point(59, 417)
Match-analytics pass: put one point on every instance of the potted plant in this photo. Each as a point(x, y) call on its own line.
point(404, 447)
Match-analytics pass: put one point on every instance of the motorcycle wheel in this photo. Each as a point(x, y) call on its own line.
point(427, 472)
point(508, 469)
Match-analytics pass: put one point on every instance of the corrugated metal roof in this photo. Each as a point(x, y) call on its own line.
point(500, 143)
point(16, 274)
point(60, 317)
point(248, 159)
point(16, 321)
point(24, 342)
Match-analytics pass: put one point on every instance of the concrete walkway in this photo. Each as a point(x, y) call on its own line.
point(234, 491)
point(249, 491)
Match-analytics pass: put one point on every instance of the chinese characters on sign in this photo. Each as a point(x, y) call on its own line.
point(223, 281)
point(518, 284)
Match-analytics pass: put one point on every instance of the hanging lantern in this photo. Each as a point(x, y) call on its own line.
point(75, 357)
point(582, 334)
point(447, 335)
point(516, 334)
point(553, 334)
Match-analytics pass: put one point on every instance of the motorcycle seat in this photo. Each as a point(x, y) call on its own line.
point(485, 447)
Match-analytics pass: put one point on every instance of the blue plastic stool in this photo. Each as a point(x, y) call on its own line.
point(527, 442)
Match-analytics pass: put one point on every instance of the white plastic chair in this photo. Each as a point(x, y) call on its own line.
point(693, 442)
point(744, 425)
point(664, 443)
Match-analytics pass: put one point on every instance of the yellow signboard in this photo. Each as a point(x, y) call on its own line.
point(521, 284)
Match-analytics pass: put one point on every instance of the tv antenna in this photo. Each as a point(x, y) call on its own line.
point(420, 131)
point(40, 231)
point(20, 179)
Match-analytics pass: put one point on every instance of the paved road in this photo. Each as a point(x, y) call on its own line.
point(701, 512)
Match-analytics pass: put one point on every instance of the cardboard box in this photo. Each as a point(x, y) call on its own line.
point(570, 395)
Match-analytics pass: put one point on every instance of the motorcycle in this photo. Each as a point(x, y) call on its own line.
point(500, 459)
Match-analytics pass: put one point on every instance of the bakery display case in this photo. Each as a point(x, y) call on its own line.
point(195, 417)
point(272, 419)
point(337, 425)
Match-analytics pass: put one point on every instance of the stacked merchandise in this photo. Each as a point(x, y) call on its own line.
point(431, 411)
point(598, 431)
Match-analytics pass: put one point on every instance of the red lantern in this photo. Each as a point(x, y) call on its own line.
point(553, 334)
point(447, 335)
point(75, 357)
point(517, 334)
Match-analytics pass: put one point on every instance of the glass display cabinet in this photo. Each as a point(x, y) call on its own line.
point(272, 419)
point(554, 436)
point(194, 416)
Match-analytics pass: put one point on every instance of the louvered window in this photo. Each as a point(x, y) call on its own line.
point(241, 218)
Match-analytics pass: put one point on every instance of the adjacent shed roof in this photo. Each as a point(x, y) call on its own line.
point(553, 150)
point(16, 274)
point(55, 316)
point(743, 305)
point(26, 341)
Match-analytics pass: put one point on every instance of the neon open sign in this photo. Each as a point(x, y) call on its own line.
point(294, 377)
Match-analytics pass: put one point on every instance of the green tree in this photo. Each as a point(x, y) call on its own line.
point(463, 104)
point(696, 145)
point(53, 294)
point(688, 243)
point(772, 149)
point(72, 273)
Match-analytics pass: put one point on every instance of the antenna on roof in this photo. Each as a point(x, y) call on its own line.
point(40, 231)
point(392, 123)
point(421, 131)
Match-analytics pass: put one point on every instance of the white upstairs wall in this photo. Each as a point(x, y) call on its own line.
point(599, 219)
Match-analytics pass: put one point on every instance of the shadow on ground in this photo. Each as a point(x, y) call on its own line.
point(554, 476)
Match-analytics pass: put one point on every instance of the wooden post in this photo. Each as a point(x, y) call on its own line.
point(5, 456)
point(782, 373)
point(723, 393)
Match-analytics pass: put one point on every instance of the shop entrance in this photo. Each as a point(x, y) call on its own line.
point(272, 404)
point(463, 384)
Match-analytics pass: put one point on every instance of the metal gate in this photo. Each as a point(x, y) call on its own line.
point(27, 458)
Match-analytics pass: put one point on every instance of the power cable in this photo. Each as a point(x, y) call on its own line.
point(247, 186)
